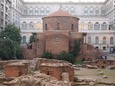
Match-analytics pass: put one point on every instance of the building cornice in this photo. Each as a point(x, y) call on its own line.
point(44, 3)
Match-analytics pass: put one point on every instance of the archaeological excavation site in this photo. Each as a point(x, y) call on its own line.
point(50, 72)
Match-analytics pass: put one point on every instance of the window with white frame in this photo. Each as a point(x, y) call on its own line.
point(24, 39)
point(104, 40)
point(85, 11)
point(47, 10)
point(42, 11)
point(31, 11)
point(36, 11)
point(91, 11)
point(111, 40)
point(104, 26)
point(97, 11)
point(82, 25)
point(97, 40)
point(24, 25)
point(90, 26)
point(31, 25)
point(97, 26)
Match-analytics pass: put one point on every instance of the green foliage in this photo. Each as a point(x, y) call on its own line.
point(66, 56)
point(12, 32)
point(18, 51)
point(10, 43)
point(71, 56)
point(79, 62)
point(76, 49)
point(47, 55)
point(32, 38)
point(7, 49)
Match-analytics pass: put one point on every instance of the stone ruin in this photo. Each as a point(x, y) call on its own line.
point(27, 73)
point(36, 80)
point(108, 64)
point(61, 71)
point(43, 72)
point(16, 69)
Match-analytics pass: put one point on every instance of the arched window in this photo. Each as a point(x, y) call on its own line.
point(104, 40)
point(72, 9)
point(47, 10)
point(24, 25)
point(39, 25)
point(96, 40)
point(111, 40)
point(36, 11)
point(89, 40)
point(96, 11)
point(97, 26)
point(31, 11)
point(46, 27)
point(72, 27)
point(91, 11)
point(90, 25)
point(24, 39)
point(42, 10)
point(82, 25)
point(31, 25)
point(104, 26)
point(86, 11)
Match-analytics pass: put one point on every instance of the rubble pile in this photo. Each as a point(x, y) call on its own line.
point(36, 80)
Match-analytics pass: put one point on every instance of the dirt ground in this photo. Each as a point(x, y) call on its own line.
point(94, 73)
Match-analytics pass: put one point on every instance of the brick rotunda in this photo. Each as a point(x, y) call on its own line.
point(60, 30)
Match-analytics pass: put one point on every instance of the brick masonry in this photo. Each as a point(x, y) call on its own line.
point(59, 33)
point(16, 69)
point(56, 68)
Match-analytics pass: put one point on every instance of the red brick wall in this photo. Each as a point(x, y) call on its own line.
point(52, 71)
point(40, 46)
point(17, 69)
point(48, 37)
point(29, 53)
point(13, 71)
point(59, 46)
point(57, 69)
point(88, 52)
point(64, 23)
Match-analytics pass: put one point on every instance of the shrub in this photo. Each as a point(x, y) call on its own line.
point(47, 55)
point(66, 56)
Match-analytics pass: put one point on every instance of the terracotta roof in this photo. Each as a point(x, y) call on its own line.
point(59, 13)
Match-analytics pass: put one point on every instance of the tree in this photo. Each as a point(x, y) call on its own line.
point(47, 55)
point(10, 43)
point(12, 32)
point(32, 38)
point(18, 51)
point(7, 49)
point(76, 48)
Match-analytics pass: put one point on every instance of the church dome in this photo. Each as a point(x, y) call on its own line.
point(59, 13)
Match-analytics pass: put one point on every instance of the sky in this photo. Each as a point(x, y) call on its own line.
point(64, 0)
